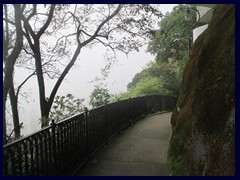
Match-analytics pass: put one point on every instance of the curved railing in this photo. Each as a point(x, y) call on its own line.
point(64, 147)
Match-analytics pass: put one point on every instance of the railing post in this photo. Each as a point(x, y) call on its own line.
point(155, 103)
point(107, 123)
point(130, 109)
point(54, 148)
point(145, 106)
point(87, 130)
point(160, 103)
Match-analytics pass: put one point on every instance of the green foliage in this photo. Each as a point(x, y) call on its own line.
point(147, 86)
point(99, 96)
point(177, 160)
point(65, 106)
point(115, 97)
point(170, 41)
point(168, 75)
point(170, 44)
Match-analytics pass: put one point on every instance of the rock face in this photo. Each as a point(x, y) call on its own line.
point(203, 139)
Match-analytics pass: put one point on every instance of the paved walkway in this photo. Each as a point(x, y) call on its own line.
point(140, 150)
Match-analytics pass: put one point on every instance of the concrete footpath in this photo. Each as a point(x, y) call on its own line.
point(140, 150)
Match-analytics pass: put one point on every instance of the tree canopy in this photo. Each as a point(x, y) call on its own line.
point(170, 45)
point(99, 96)
point(46, 39)
point(171, 41)
point(65, 106)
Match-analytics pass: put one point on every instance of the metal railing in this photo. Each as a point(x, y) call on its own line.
point(65, 146)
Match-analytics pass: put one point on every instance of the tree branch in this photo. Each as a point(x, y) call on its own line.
point(64, 36)
point(77, 51)
point(130, 32)
point(106, 44)
point(23, 7)
point(6, 39)
point(28, 52)
point(33, 12)
point(102, 24)
point(10, 22)
point(26, 21)
point(9, 136)
point(19, 87)
point(27, 28)
point(50, 16)
point(78, 28)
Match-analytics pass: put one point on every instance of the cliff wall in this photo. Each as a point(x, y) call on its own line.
point(203, 139)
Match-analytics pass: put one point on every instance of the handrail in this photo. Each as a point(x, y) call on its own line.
point(63, 147)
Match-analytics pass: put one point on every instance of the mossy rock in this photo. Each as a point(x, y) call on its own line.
point(202, 142)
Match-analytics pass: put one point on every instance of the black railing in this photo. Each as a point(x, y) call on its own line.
point(64, 147)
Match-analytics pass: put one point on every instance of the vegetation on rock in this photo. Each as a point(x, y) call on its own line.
point(203, 141)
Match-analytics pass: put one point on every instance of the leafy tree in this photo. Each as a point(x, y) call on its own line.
point(99, 96)
point(65, 107)
point(137, 78)
point(115, 97)
point(168, 76)
point(171, 41)
point(170, 45)
point(13, 55)
point(117, 27)
point(148, 86)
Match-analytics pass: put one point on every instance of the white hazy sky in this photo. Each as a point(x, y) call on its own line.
point(89, 66)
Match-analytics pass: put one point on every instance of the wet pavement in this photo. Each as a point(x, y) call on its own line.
point(140, 150)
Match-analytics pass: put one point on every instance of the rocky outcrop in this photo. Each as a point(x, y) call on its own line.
point(203, 138)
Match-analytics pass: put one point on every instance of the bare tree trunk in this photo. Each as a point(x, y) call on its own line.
point(77, 52)
point(45, 105)
point(10, 62)
point(31, 35)
point(4, 124)
point(41, 86)
point(15, 114)
point(63, 75)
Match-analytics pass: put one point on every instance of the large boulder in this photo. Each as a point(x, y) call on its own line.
point(203, 122)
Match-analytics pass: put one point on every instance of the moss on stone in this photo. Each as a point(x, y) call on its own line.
point(207, 97)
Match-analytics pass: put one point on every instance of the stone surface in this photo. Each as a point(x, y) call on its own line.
point(203, 139)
